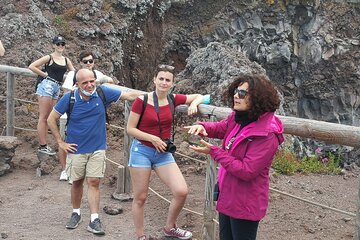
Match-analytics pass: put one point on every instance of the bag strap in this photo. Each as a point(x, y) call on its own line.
point(101, 94)
point(48, 63)
point(143, 109)
point(71, 106)
point(171, 100)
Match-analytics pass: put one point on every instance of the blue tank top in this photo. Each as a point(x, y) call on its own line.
point(57, 71)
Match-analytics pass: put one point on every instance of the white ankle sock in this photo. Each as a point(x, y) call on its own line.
point(94, 216)
point(77, 210)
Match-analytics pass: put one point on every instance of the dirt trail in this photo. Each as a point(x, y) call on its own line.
point(38, 207)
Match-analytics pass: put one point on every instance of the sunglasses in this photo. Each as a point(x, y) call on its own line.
point(241, 93)
point(166, 67)
point(60, 43)
point(87, 61)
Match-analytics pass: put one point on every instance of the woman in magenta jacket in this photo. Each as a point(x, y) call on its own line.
point(251, 135)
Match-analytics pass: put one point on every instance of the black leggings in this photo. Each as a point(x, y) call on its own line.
point(237, 229)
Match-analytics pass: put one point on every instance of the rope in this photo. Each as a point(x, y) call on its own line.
point(118, 164)
point(194, 159)
point(26, 129)
point(313, 203)
point(22, 100)
point(163, 198)
point(114, 126)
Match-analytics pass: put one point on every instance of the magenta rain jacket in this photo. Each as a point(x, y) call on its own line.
point(244, 170)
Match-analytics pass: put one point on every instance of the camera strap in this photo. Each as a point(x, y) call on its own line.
point(157, 110)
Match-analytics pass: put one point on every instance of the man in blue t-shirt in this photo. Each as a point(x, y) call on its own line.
point(85, 142)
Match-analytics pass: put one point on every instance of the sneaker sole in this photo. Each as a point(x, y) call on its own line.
point(51, 154)
point(70, 227)
point(183, 238)
point(94, 231)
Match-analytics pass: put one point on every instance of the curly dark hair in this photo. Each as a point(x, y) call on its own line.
point(263, 94)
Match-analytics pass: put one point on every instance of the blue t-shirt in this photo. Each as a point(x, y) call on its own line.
point(87, 124)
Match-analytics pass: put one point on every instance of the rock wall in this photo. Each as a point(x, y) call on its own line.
point(8, 146)
point(310, 49)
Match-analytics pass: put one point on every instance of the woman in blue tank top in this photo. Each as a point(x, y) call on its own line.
point(56, 65)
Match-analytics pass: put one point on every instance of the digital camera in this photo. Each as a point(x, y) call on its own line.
point(170, 146)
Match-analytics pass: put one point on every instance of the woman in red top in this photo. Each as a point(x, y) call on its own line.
point(149, 150)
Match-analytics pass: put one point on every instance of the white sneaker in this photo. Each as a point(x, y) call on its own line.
point(47, 150)
point(63, 176)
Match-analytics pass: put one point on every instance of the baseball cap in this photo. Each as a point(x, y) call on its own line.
point(58, 39)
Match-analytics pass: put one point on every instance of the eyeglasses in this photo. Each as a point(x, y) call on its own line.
point(87, 61)
point(60, 43)
point(166, 67)
point(241, 93)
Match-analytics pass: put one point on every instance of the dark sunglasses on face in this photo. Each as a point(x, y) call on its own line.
point(87, 61)
point(60, 43)
point(241, 93)
point(166, 67)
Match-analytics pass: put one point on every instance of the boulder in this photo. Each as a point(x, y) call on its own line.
point(8, 146)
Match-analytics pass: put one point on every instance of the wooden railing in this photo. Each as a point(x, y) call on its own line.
point(318, 130)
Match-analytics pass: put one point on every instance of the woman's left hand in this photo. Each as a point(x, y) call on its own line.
point(192, 109)
point(204, 147)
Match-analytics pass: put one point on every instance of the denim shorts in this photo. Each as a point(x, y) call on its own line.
point(48, 88)
point(142, 156)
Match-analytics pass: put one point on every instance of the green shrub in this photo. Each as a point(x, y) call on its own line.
point(287, 163)
point(59, 21)
point(63, 26)
point(313, 165)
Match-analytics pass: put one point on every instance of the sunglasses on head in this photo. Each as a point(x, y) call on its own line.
point(60, 43)
point(87, 61)
point(166, 67)
point(241, 93)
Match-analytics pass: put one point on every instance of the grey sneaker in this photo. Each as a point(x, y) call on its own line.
point(47, 150)
point(74, 221)
point(95, 227)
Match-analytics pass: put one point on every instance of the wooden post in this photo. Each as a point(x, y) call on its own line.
point(123, 187)
point(357, 219)
point(10, 84)
point(127, 146)
point(120, 180)
point(209, 228)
